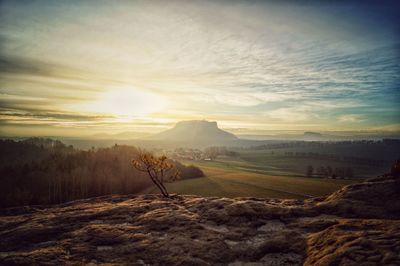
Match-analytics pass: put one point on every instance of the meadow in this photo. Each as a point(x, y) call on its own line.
point(277, 163)
point(280, 170)
point(227, 177)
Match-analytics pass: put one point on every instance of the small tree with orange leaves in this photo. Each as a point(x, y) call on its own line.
point(159, 169)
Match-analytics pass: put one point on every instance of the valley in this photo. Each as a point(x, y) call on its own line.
point(226, 178)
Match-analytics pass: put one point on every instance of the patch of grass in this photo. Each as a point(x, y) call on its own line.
point(284, 165)
point(241, 179)
point(261, 174)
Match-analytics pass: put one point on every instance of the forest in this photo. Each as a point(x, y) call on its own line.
point(46, 171)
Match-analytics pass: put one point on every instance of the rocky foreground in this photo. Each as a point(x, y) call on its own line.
point(357, 225)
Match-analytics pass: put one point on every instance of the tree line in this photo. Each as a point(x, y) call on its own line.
point(331, 172)
point(214, 151)
point(325, 144)
point(38, 171)
point(333, 157)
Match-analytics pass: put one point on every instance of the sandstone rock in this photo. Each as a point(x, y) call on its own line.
point(375, 198)
point(192, 230)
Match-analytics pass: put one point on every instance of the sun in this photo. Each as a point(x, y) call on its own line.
point(127, 102)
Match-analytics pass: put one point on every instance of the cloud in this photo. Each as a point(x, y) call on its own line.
point(55, 115)
point(293, 114)
point(243, 99)
point(21, 68)
point(286, 63)
point(352, 118)
point(20, 65)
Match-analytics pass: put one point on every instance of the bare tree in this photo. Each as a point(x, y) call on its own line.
point(159, 169)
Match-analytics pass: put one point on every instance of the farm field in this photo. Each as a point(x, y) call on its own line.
point(235, 178)
point(278, 164)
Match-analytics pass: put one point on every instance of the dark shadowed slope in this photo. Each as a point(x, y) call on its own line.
point(357, 225)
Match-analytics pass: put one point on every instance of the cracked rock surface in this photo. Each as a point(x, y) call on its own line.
point(357, 225)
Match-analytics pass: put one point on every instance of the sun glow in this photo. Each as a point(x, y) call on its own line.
point(127, 102)
point(255, 66)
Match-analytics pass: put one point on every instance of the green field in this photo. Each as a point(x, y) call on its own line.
point(278, 164)
point(238, 178)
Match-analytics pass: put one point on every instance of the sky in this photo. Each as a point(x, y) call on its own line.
point(74, 68)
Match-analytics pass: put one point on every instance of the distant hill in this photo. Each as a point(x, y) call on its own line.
point(195, 131)
point(123, 135)
point(313, 136)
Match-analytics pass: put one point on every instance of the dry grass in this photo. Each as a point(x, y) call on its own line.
point(231, 182)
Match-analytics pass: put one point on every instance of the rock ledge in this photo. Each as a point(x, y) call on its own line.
point(357, 225)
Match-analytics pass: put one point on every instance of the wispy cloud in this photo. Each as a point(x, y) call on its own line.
point(263, 63)
point(353, 118)
point(294, 114)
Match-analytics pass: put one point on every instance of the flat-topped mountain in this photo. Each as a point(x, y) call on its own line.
point(313, 136)
point(195, 131)
point(358, 225)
